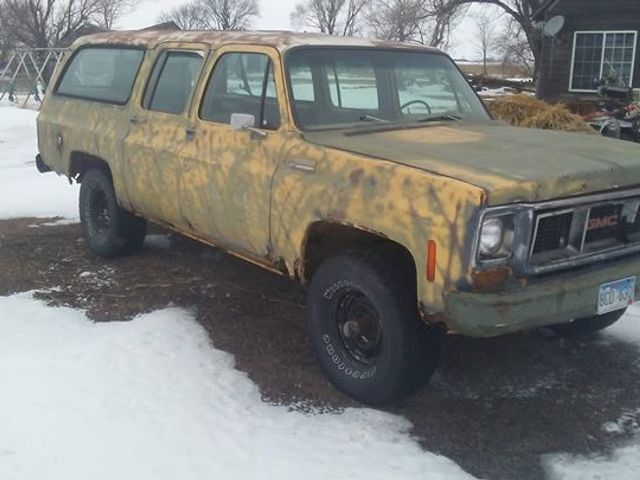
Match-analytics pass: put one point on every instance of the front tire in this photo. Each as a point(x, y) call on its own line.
point(108, 230)
point(585, 326)
point(365, 328)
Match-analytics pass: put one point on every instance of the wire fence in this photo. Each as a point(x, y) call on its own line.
point(26, 74)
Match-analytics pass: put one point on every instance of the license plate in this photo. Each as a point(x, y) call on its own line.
point(616, 295)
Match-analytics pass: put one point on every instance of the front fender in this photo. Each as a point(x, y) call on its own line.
point(404, 204)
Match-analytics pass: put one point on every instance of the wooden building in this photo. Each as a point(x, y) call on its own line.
point(597, 43)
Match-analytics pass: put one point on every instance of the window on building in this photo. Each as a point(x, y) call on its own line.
point(603, 58)
point(101, 74)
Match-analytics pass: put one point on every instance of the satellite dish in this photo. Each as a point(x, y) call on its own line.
point(553, 26)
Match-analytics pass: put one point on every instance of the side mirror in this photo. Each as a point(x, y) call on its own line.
point(242, 121)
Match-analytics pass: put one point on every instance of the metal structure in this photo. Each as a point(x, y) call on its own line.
point(27, 73)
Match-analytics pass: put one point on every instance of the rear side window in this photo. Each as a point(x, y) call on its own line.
point(172, 81)
point(101, 74)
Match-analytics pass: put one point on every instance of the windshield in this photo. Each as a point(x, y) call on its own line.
point(337, 88)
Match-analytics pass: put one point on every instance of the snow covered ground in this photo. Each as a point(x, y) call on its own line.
point(23, 191)
point(152, 398)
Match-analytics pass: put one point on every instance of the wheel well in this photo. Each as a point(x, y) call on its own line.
point(325, 239)
point(82, 162)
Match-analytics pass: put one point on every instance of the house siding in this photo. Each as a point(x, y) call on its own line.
point(580, 15)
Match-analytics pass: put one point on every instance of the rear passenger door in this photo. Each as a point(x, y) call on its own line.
point(158, 131)
point(228, 171)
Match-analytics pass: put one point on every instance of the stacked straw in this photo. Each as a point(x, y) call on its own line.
point(529, 112)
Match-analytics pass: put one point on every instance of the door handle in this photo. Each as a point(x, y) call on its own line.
point(137, 120)
point(190, 133)
point(256, 134)
point(303, 165)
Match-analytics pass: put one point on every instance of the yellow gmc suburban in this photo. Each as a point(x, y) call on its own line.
point(368, 170)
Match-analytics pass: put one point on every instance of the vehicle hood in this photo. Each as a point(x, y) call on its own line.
point(511, 164)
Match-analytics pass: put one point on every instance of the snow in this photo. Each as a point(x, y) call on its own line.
point(24, 192)
point(626, 329)
point(152, 399)
point(623, 464)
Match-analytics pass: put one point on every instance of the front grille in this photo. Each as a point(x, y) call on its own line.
point(553, 232)
point(561, 235)
point(597, 232)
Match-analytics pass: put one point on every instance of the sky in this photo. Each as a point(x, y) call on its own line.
point(274, 15)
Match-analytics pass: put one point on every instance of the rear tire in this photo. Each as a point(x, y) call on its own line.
point(109, 231)
point(365, 328)
point(585, 326)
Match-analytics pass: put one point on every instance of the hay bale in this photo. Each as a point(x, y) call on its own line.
point(529, 112)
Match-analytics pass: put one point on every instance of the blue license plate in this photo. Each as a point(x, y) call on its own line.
point(616, 295)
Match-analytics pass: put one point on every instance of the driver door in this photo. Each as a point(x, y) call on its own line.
point(227, 170)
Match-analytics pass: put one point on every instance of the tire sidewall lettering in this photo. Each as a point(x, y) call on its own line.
point(337, 362)
point(335, 287)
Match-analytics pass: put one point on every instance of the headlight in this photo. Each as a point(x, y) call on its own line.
point(496, 237)
point(491, 236)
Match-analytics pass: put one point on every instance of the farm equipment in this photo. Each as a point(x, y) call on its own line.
point(618, 114)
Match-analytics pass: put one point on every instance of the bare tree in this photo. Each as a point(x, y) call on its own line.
point(108, 11)
point(334, 17)
point(231, 14)
point(515, 49)
point(214, 15)
point(522, 12)
point(425, 21)
point(7, 42)
point(189, 16)
point(50, 23)
point(486, 34)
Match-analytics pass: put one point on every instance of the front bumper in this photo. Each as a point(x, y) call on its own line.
point(545, 301)
point(41, 166)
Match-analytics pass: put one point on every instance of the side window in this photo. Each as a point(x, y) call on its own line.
point(101, 74)
point(242, 83)
point(173, 79)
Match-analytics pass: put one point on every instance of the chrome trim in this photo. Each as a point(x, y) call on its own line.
point(586, 200)
point(524, 239)
point(587, 259)
point(580, 257)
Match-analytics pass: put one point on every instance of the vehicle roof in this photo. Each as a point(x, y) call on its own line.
point(280, 40)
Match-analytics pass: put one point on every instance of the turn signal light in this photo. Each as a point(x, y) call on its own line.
point(431, 261)
point(491, 278)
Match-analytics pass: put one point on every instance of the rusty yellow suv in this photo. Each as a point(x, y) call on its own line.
point(369, 171)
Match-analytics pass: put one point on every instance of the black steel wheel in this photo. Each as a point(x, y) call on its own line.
point(108, 229)
point(365, 328)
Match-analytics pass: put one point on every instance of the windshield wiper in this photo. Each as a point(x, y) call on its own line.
point(371, 118)
point(439, 118)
